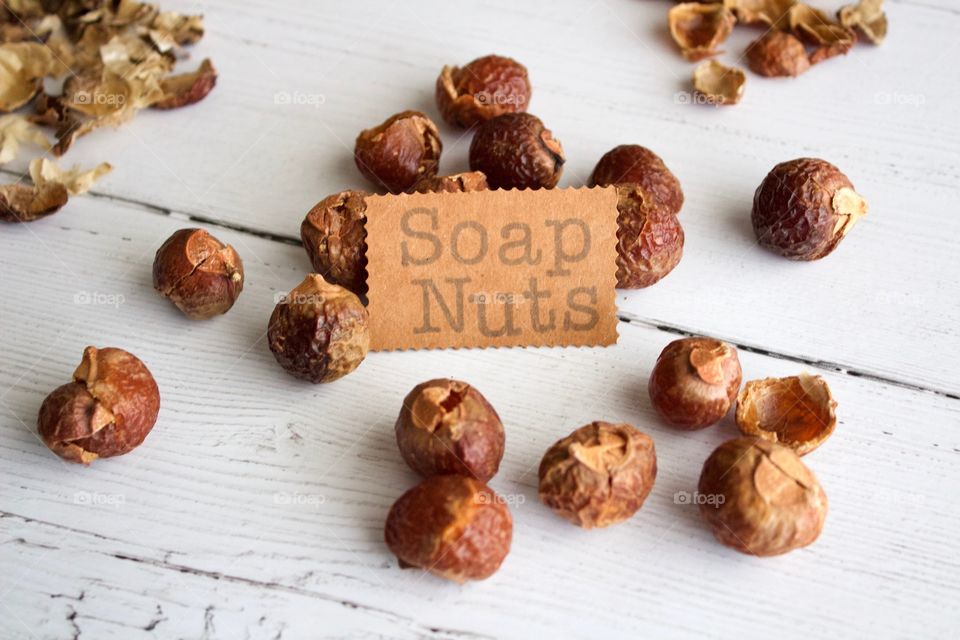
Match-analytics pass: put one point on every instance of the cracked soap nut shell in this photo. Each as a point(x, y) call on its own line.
point(798, 411)
point(804, 208)
point(695, 381)
point(515, 151)
point(699, 28)
point(777, 54)
point(397, 153)
point(334, 236)
point(598, 475)
point(447, 426)
point(457, 183)
point(632, 163)
point(319, 332)
point(108, 409)
point(483, 89)
point(771, 502)
point(199, 274)
point(649, 238)
point(453, 526)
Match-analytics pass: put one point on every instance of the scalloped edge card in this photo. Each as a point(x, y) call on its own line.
point(492, 269)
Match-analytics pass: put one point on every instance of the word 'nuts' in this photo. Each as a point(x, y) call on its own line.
point(598, 475)
point(453, 526)
point(447, 426)
point(483, 89)
point(108, 409)
point(397, 153)
point(199, 274)
point(695, 381)
point(765, 500)
point(804, 208)
point(319, 332)
point(515, 151)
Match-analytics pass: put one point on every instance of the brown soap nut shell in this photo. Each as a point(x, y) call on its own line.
point(695, 382)
point(771, 502)
point(778, 54)
point(632, 163)
point(334, 236)
point(397, 153)
point(515, 151)
point(798, 411)
point(649, 238)
point(199, 274)
point(447, 426)
point(456, 183)
point(483, 89)
point(804, 208)
point(107, 410)
point(698, 28)
point(453, 526)
point(319, 332)
point(598, 475)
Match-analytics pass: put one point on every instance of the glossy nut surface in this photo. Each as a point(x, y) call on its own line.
point(447, 426)
point(199, 274)
point(453, 526)
point(515, 151)
point(760, 499)
point(319, 332)
point(334, 237)
point(598, 475)
point(397, 153)
point(483, 89)
point(108, 410)
point(695, 382)
point(632, 163)
point(649, 238)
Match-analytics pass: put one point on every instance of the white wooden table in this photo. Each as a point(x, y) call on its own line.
point(256, 507)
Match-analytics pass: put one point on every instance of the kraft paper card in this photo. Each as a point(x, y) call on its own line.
point(492, 269)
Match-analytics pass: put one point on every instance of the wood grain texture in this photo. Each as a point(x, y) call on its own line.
point(255, 508)
point(257, 504)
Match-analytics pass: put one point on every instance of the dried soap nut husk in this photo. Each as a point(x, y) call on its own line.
point(649, 238)
point(320, 331)
point(773, 13)
point(334, 236)
point(457, 183)
point(396, 154)
point(804, 208)
point(868, 17)
point(699, 28)
point(598, 475)
point(515, 151)
point(760, 498)
point(447, 426)
point(199, 274)
point(798, 411)
point(483, 89)
point(719, 84)
point(108, 409)
point(695, 382)
point(777, 54)
point(815, 27)
point(632, 163)
point(453, 526)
